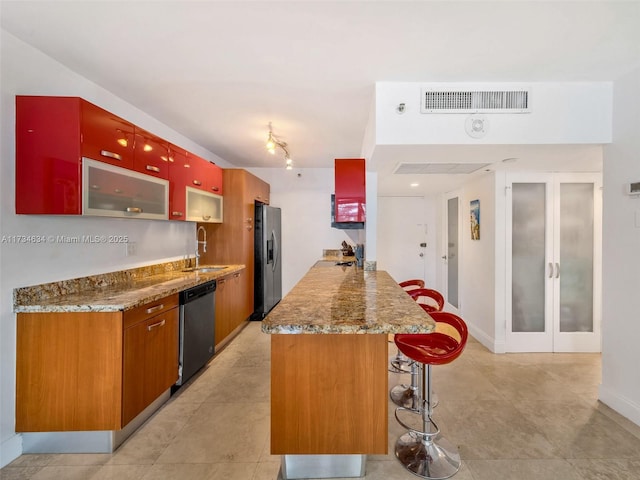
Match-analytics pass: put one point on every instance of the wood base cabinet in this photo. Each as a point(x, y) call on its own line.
point(150, 358)
point(86, 371)
point(320, 406)
point(229, 308)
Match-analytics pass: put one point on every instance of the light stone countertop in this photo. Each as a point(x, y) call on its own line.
point(339, 299)
point(123, 295)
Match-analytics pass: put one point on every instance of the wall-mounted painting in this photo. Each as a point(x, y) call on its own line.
point(475, 219)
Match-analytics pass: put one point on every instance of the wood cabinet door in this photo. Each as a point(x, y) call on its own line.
point(150, 361)
point(223, 309)
point(68, 371)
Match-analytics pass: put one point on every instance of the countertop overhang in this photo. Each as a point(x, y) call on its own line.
point(120, 296)
point(333, 299)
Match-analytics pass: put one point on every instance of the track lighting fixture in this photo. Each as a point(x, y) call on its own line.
point(273, 142)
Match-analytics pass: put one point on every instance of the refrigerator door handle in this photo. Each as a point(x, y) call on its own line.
point(275, 250)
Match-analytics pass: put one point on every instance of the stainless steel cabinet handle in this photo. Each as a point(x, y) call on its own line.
point(221, 281)
point(108, 154)
point(550, 270)
point(176, 214)
point(206, 217)
point(215, 189)
point(134, 210)
point(155, 309)
point(152, 168)
point(557, 270)
point(159, 324)
point(197, 182)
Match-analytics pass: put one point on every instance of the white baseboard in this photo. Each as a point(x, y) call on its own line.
point(621, 404)
point(486, 340)
point(10, 449)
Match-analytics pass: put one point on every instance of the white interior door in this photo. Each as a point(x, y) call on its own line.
point(402, 237)
point(553, 259)
point(451, 253)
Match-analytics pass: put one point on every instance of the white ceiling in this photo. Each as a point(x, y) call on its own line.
point(220, 71)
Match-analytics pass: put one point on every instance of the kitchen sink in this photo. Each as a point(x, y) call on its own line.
point(204, 269)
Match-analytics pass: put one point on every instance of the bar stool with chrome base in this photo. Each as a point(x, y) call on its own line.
point(402, 394)
point(423, 451)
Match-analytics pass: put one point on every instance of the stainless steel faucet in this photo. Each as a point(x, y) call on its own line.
point(200, 242)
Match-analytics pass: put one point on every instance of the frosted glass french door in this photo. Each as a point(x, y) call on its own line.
point(451, 254)
point(553, 263)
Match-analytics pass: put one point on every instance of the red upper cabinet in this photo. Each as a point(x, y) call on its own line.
point(151, 154)
point(52, 136)
point(213, 179)
point(178, 170)
point(106, 137)
point(48, 166)
point(350, 200)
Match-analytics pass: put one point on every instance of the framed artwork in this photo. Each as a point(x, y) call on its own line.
point(475, 219)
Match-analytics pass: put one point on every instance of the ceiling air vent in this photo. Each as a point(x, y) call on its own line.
point(438, 168)
point(475, 101)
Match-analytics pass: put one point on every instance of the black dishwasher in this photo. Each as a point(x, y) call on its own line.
point(197, 321)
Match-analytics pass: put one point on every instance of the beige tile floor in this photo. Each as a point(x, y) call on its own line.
point(513, 416)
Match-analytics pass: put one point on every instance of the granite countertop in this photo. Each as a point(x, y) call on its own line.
point(340, 299)
point(125, 294)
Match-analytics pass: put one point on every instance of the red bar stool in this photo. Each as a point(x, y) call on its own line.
point(398, 363)
point(409, 285)
point(404, 395)
point(423, 451)
point(431, 300)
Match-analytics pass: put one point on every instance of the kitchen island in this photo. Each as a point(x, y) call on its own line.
point(329, 355)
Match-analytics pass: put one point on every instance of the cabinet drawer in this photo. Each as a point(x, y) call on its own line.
point(148, 310)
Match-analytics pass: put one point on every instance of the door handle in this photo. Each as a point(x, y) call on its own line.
point(159, 324)
point(421, 254)
point(557, 270)
point(550, 270)
point(108, 154)
point(275, 250)
point(155, 309)
point(444, 257)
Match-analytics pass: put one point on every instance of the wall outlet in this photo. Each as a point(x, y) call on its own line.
point(130, 248)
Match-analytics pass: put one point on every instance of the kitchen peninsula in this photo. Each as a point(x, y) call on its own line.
point(329, 354)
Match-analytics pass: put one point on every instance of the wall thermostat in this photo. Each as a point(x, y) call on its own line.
point(633, 188)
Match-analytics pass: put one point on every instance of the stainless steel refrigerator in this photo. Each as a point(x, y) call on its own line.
point(268, 260)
